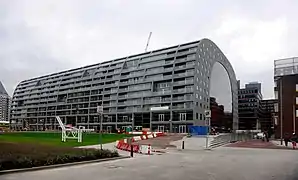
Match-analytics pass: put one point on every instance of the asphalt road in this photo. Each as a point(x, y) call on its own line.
point(224, 163)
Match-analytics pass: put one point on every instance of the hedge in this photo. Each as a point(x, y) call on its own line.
point(20, 155)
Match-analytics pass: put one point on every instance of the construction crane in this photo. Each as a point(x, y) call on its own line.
point(148, 42)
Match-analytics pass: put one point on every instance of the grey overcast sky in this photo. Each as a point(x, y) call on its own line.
point(38, 37)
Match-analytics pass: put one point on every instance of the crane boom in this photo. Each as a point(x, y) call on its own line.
point(148, 42)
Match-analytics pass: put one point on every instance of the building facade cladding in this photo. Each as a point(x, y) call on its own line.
point(127, 89)
point(286, 88)
point(217, 113)
point(4, 107)
point(270, 111)
point(250, 111)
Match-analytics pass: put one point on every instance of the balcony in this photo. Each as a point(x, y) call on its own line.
point(183, 82)
point(183, 90)
point(162, 92)
point(185, 106)
point(186, 98)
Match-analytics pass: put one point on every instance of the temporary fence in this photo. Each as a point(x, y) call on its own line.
point(128, 145)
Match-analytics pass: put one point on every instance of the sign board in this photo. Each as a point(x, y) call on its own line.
point(159, 108)
point(99, 109)
point(207, 113)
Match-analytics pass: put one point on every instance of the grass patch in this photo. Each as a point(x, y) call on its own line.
point(22, 155)
point(54, 138)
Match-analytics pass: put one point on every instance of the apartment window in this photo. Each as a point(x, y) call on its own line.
point(276, 107)
point(125, 118)
point(161, 117)
point(197, 96)
point(296, 87)
point(197, 115)
point(201, 116)
point(95, 119)
point(296, 100)
point(182, 116)
point(296, 112)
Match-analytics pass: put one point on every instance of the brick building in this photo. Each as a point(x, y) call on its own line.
point(286, 88)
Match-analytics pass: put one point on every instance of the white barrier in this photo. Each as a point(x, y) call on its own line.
point(144, 137)
point(145, 149)
point(150, 136)
point(137, 138)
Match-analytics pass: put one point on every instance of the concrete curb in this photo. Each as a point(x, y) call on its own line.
point(60, 165)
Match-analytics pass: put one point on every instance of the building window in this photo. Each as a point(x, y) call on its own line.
point(182, 116)
point(201, 116)
point(125, 118)
point(296, 87)
point(197, 96)
point(276, 107)
point(161, 117)
point(296, 100)
point(296, 112)
point(197, 115)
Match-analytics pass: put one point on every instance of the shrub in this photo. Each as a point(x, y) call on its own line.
point(18, 155)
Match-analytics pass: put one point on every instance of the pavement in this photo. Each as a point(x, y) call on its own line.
point(193, 143)
point(192, 163)
point(223, 163)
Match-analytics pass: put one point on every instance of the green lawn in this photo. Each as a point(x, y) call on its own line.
point(54, 138)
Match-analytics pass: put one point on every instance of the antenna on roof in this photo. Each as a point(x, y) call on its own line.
point(148, 41)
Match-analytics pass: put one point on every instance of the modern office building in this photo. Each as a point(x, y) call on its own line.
point(286, 93)
point(165, 90)
point(4, 104)
point(269, 107)
point(250, 112)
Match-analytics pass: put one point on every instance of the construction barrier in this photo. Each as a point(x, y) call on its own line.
point(142, 149)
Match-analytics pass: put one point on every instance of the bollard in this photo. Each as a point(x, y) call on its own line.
point(149, 149)
point(131, 150)
point(182, 144)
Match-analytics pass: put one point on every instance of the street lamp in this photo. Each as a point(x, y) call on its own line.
point(171, 126)
point(77, 112)
point(100, 113)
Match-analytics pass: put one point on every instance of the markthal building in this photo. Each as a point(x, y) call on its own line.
point(164, 90)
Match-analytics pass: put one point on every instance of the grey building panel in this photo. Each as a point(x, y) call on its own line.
point(177, 77)
point(2, 89)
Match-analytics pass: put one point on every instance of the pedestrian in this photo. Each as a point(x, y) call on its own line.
point(267, 136)
point(287, 139)
point(294, 140)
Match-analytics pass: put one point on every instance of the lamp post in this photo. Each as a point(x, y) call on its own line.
point(171, 126)
point(100, 113)
point(77, 112)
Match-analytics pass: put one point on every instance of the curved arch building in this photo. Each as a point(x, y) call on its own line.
point(166, 89)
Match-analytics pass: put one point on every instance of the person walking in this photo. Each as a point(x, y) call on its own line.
point(294, 140)
point(287, 139)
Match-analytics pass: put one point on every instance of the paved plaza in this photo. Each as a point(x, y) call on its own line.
point(224, 163)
